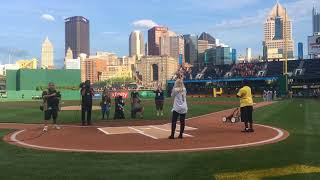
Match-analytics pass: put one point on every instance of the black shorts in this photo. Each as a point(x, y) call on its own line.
point(50, 113)
point(159, 104)
point(246, 114)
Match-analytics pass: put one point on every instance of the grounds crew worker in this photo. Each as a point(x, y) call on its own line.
point(86, 105)
point(246, 106)
point(51, 99)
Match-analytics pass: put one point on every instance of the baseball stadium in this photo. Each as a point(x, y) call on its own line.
point(284, 144)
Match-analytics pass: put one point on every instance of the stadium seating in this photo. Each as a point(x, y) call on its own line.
point(312, 68)
point(254, 69)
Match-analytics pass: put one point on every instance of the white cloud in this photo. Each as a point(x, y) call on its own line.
point(144, 23)
point(243, 22)
point(47, 17)
point(218, 4)
point(298, 10)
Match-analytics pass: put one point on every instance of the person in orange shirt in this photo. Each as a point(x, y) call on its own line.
point(246, 106)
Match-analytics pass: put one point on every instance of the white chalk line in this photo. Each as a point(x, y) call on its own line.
point(104, 131)
point(142, 132)
point(166, 130)
point(279, 135)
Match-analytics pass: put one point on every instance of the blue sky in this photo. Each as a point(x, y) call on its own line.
point(238, 23)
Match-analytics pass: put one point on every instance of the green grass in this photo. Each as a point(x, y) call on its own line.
point(28, 112)
point(302, 147)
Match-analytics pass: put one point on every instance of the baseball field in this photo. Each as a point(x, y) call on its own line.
point(213, 150)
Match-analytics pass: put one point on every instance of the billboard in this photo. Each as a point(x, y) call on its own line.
point(274, 53)
point(72, 63)
point(314, 45)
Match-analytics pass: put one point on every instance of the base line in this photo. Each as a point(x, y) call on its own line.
point(104, 131)
point(155, 127)
point(143, 133)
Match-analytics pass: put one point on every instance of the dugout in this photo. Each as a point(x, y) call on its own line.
point(28, 84)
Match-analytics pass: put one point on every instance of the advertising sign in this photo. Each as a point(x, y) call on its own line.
point(124, 94)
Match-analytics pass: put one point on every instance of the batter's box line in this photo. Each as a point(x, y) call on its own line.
point(155, 127)
point(104, 131)
point(143, 133)
point(187, 127)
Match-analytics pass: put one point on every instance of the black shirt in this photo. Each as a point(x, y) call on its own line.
point(134, 95)
point(52, 101)
point(87, 94)
point(159, 95)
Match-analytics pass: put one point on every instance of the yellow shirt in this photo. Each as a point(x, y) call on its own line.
point(245, 96)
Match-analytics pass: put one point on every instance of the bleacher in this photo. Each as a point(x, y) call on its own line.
point(275, 68)
point(256, 69)
point(312, 68)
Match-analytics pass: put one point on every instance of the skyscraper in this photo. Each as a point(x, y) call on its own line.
point(223, 55)
point(136, 44)
point(47, 54)
point(278, 42)
point(191, 48)
point(77, 35)
point(177, 48)
point(300, 50)
point(234, 56)
point(154, 35)
point(203, 45)
point(166, 44)
point(69, 54)
point(248, 54)
point(316, 21)
point(207, 37)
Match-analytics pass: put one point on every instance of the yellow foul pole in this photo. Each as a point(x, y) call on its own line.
point(285, 63)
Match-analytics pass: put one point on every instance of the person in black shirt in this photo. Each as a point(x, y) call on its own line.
point(159, 101)
point(86, 105)
point(51, 100)
point(119, 108)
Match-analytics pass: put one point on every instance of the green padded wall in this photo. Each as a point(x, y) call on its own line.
point(31, 79)
point(26, 82)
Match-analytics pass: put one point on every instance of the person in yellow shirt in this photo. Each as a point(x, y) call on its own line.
point(246, 106)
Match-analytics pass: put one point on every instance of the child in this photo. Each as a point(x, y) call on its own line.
point(119, 108)
point(105, 104)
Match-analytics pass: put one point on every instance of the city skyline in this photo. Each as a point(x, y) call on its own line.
point(110, 32)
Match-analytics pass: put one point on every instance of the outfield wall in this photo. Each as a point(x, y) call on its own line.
point(28, 84)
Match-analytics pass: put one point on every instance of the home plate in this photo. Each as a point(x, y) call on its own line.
point(154, 132)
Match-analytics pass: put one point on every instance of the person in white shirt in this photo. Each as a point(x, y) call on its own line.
point(180, 107)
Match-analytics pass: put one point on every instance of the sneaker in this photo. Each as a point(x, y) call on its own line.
point(171, 137)
point(180, 136)
point(45, 129)
point(57, 127)
point(250, 130)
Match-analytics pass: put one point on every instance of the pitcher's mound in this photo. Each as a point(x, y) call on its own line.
point(77, 108)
